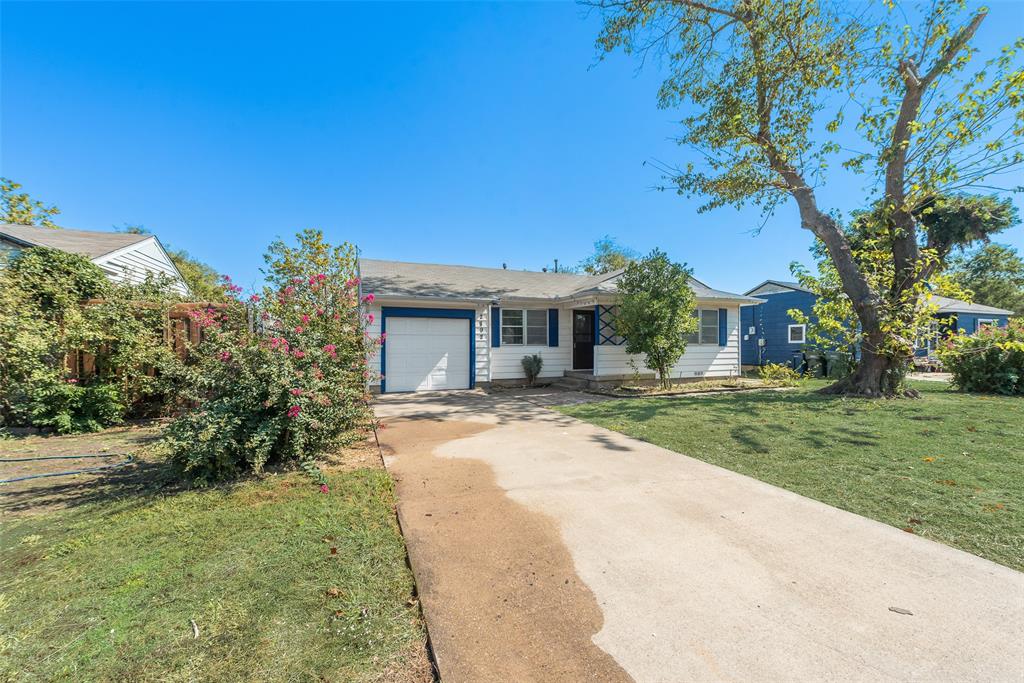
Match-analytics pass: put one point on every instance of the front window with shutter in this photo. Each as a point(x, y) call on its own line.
point(529, 326)
point(707, 327)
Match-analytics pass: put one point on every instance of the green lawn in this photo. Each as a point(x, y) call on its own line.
point(106, 588)
point(949, 467)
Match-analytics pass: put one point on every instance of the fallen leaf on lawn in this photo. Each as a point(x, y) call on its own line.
point(333, 592)
point(908, 529)
point(928, 459)
point(946, 482)
point(992, 507)
point(912, 520)
point(334, 550)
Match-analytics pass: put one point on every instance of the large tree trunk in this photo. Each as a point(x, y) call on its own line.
point(876, 376)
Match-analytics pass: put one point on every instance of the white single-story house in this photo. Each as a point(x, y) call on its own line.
point(124, 257)
point(458, 327)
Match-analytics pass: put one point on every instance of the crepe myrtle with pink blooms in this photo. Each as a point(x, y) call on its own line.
point(280, 378)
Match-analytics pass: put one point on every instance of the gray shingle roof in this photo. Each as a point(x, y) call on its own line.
point(947, 305)
point(398, 279)
point(85, 242)
point(785, 284)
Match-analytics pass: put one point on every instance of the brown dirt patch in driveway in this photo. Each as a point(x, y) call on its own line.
point(498, 586)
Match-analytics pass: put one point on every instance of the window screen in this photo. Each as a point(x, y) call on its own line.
point(511, 326)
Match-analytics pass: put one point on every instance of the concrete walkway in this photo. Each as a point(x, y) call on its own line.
point(549, 549)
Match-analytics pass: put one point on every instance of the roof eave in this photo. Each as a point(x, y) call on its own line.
point(18, 240)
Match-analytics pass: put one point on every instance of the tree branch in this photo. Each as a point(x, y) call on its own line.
point(901, 222)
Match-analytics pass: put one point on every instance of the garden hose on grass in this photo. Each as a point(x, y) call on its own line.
point(128, 459)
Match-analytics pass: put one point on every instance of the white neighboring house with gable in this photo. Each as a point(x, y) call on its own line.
point(457, 327)
point(124, 257)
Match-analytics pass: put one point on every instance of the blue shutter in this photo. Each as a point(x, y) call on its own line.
point(723, 330)
point(552, 327)
point(495, 326)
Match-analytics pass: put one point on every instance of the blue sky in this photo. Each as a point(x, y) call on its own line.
point(456, 133)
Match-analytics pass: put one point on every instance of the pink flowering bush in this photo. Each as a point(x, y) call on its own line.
point(990, 360)
point(282, 378)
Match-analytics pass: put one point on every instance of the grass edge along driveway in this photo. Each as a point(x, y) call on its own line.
point(948, 467)
point(105, 590)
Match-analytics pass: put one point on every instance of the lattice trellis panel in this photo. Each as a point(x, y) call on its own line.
point(606, 333)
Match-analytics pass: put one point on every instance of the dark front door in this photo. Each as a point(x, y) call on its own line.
point(582, 340)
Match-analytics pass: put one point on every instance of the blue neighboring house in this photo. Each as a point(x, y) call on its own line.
point(768, 334)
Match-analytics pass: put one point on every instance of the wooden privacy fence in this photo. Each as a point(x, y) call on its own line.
point(180, 331)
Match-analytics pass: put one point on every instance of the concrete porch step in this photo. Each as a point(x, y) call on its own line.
point(572, 383)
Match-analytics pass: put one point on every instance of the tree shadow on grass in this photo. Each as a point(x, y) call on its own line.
point(755, 421)
point(148, 477)
point(133, 485)
point(724, 406)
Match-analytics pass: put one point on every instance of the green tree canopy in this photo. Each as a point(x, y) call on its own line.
point(55, 280)
point(994, 273)
point(946, 220)
point(608, 256)
point(656, 307)
point(19, 208)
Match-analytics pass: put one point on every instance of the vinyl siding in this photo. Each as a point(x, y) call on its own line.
point(772, 321)
point(969, 321)
point(133, 263)
point(506, 360)
point(700, 360)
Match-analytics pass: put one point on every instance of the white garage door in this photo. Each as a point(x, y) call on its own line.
point(427, 354)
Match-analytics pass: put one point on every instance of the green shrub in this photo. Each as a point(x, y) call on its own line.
point(840, 364)
point(532, 365)
point(283, 379)
point(42, 319)
point(991, 360)
point(56, 280)
point(778, 375)
point(69, 407)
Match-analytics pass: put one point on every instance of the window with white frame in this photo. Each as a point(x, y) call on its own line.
point(524, 326)
point(987, 322)
point(707, 327)
point(797, 334)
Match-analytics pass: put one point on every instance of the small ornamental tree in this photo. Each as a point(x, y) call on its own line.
point(656, 307)
point(281, 377)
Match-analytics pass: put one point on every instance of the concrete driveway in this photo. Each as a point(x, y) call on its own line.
point(548, 549)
